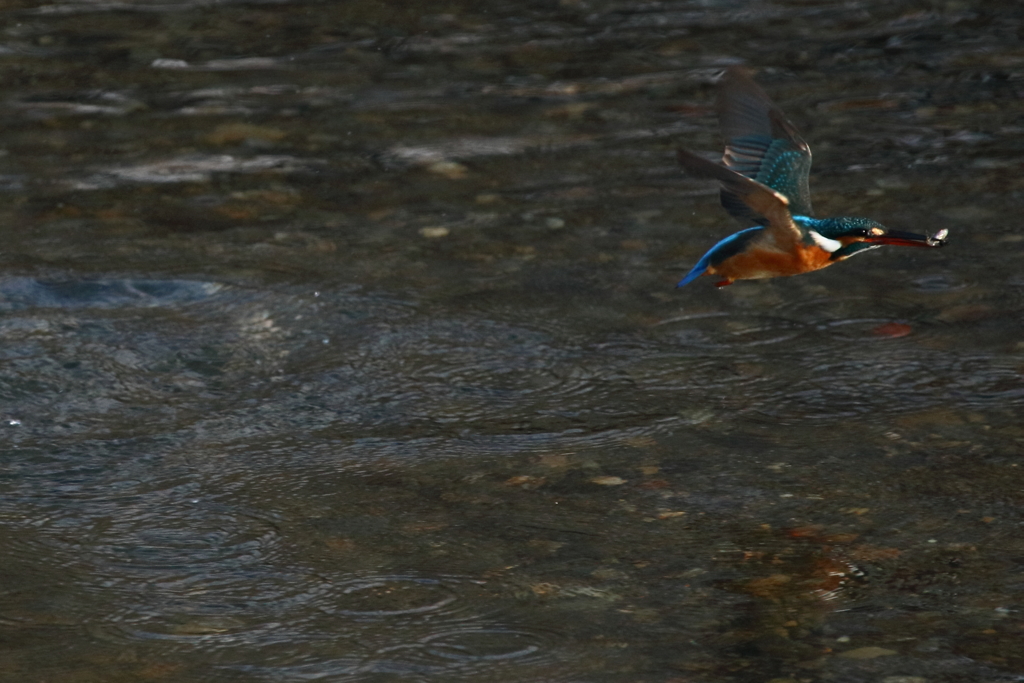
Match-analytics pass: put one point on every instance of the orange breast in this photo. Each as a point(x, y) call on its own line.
point(758, 262)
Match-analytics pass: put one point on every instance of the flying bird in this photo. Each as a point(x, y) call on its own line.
point(764, 174)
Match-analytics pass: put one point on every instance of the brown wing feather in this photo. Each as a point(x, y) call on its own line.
point(744, 109)
point(761, 199)
point(761, 143)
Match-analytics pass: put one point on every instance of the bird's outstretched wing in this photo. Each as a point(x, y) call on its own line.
point(761, 203)
point(761, 144)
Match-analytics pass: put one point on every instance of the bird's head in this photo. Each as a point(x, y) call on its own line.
point(871, 232)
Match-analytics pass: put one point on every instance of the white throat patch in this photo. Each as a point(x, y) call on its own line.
point(825, 243)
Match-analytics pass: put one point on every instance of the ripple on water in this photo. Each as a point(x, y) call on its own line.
point(183, 545)
point(138, 551)
point(361, 627)
point(483, 645)
point(386, 597)
point(491, 375)
point(729, 330)
point(468, 651)
point(906, 380)
point(125, 506)
point(939, 282)
point(17, 293)
point(857, 329)
point(835, 312)
point(161, 542)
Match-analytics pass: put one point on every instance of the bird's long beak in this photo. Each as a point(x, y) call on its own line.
point(909, 239)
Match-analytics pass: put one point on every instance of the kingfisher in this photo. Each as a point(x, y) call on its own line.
point(764, 174)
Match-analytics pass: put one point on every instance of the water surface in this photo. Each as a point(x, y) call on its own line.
point(340, 343)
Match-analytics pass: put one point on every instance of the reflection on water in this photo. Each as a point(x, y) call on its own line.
point(27, 293)
point(340, 343)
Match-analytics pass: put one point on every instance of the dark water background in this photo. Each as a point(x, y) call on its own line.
point(339, 342)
